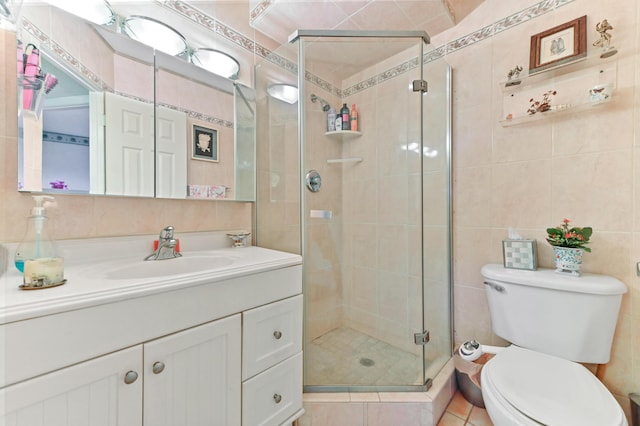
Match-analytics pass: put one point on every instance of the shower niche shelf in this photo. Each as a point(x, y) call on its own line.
point(344, 134)
point(574, 93)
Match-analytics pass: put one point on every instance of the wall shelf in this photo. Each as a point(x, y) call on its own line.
point(572, 93)
point(560, 110)
point(345, 134)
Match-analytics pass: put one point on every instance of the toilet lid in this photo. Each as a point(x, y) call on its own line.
point(551, 390)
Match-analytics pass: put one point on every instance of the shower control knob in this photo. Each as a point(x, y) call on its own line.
point(277, 334)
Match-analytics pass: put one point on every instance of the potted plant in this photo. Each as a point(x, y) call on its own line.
point(569, 244)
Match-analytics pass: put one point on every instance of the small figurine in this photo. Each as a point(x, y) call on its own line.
point(513, 75)
point(605, 39)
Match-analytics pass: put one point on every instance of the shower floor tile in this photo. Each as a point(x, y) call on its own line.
point(348, 357)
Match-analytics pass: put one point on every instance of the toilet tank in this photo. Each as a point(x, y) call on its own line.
point(567, 316)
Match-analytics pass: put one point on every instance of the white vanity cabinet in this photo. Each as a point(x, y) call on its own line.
point(193, 377)
point(272, 362)
point(90, 393)
point(188, 378)
point(217, 351)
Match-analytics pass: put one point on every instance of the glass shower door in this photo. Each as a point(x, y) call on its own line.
point(363, 230)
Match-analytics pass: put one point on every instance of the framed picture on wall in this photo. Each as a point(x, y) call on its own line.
point(560, 45)
point(204, 143)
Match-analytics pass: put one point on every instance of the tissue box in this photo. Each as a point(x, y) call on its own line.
point(520, 254)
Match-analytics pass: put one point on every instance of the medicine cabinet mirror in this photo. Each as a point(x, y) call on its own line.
point(122, 119)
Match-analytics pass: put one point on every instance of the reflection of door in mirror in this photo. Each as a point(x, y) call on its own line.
point(171, 153)
point(128, 146)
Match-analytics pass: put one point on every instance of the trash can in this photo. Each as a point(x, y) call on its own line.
point(635, 408)
point(468, 377)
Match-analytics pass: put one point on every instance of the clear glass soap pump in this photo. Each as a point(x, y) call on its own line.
point(37, 256)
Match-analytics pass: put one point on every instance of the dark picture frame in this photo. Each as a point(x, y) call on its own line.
point(204, 144)
point(557, 46)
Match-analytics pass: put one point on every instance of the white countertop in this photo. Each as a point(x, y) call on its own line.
point(87, 283)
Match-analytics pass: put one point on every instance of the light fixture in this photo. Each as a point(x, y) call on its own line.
point(216, 62)
point(5, 10)
point(155, 34)
point(283, 92)
point(96, 11)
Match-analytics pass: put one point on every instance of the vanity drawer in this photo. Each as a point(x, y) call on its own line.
point(273, 396)
point(270, 334)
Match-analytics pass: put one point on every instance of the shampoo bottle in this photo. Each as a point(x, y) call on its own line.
point(354, 118)
point(37, 256)
point(331, 120)
point(344, 113)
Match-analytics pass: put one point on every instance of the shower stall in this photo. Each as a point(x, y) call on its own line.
point(369, 210)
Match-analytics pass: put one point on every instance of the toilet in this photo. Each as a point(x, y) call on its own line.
point(553, 322)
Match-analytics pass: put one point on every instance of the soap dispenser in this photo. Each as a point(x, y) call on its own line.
point(37, 256)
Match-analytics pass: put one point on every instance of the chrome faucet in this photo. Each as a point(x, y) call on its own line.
point(166, 246)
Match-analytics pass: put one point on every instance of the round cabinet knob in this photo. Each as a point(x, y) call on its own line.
point(277, 398)
point(158, 367)
point(130, 377)
point(277, 334)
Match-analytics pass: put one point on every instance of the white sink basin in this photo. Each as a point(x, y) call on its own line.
point(168, 267)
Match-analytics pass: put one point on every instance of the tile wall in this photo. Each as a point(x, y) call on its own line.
point(583, 166)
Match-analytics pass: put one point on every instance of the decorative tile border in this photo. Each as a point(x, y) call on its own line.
point(79, 68)
point(481, 34)
point(247, 43)
point(466, 41)
point(262, 7)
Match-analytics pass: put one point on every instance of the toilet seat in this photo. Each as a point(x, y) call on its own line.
point(554, 392)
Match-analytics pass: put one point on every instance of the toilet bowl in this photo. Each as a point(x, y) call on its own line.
point(525, 387)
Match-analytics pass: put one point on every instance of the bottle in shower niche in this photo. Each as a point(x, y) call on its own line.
point(331, 120)
point(354, 118)
point(344, 113)
point(338, 125)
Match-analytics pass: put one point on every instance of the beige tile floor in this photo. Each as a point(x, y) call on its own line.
point(460, 412)
point(340, 357)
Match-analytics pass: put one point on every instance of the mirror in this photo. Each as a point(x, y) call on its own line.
point(123, 119)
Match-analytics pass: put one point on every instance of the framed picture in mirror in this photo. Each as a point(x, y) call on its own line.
point(204, 143)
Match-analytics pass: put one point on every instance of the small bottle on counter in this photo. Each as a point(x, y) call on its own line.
point(37, 256)
point(354, 118)
point(331, 120)
point(344, 113)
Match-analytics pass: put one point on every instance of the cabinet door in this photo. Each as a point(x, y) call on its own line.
point(193, 377)
point(91, 393)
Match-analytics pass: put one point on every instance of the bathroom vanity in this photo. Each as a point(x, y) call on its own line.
point(211, 341)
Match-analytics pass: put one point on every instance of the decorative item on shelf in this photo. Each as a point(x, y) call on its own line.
point(238, 238)
point(605, 39)
point(513, 77)
point(600, 93)
point(560, 45)
point(569, 244)
point(519, 253)
point(58, 184)
point(543, 105)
